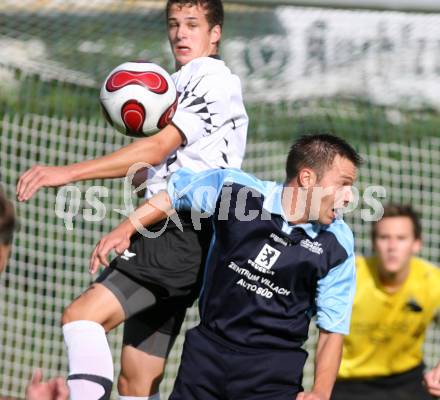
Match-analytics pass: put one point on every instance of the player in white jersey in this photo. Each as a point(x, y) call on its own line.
point(150, 286)
point(211, 113)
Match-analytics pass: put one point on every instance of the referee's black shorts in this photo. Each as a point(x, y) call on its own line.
point(404, 386)
point(213, 369)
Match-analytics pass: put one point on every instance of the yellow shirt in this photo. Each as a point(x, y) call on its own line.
point(387, 331)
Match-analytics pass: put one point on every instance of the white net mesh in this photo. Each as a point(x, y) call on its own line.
point(370, 77)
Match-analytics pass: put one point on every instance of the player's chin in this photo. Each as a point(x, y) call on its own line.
point(183, 59)
point(392, 266)
point(327, 219)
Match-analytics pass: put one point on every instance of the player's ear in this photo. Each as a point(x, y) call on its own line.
point(417, 246)
point(216, 34)
point(307, 178)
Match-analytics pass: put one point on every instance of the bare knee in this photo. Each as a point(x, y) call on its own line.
point(77, 311)
point(96, 304)
point(70, 314)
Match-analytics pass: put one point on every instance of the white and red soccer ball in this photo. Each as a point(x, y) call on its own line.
point(138, 98)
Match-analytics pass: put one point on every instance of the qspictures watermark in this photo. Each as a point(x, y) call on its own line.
point(347, 199)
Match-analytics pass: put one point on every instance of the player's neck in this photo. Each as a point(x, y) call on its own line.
point(393, 281)
point(294, 205)
point(214, 55)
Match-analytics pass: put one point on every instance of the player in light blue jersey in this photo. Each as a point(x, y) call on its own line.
point(279, 255)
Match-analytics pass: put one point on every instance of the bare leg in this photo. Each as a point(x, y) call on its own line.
point(141, 373)
point(97, 304)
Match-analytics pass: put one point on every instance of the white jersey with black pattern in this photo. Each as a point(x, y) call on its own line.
point(211, 116)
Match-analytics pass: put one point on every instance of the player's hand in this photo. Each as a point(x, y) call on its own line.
point(53, 389)
point(118, 240)
point(432, 381)
point(311, 396)
point(41, 176)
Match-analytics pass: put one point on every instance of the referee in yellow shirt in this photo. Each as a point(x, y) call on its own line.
point(397, 296)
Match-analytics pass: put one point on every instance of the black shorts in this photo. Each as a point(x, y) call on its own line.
point(405, 386)
point(151, 324)
point(212, 369)
point(170, 264)
point(155, 281)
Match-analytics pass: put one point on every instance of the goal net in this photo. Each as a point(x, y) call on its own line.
point(371, 77)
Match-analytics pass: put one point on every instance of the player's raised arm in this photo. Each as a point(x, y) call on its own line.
point(151, 150)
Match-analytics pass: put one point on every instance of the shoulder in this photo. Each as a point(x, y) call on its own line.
point(424, 265)
point(240, 179)
point(207, 66)
point(427, 277)
point(243, 184)
point(363, 263)
point(426, 270)
point(224, 176)
point(208, 70)
point(365, 267)
point(343, 234)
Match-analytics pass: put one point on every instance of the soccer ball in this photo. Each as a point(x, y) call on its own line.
point(138, 98)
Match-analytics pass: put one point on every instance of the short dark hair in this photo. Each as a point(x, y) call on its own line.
point(214, 9)
point(400, 210)
point(8, 221)
point(318, 152)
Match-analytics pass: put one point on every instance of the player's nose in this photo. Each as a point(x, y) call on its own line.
point(182, 32)
point(348, 195)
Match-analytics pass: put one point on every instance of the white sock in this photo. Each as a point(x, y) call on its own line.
point(89, 353)
point(152, 397)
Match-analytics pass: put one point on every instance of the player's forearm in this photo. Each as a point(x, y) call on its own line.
point(118, 163)
point(118, 239)
point(328, 360)
point(152, 211)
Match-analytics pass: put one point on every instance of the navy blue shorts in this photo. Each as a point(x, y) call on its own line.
point(213, 369)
